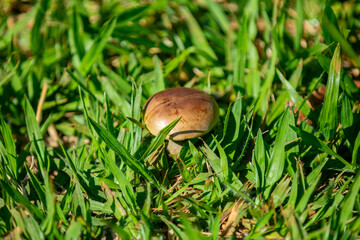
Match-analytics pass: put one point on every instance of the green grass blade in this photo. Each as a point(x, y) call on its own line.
point(291, 151)
point(95, 51)
point(83, 180)
point(19, 198)
point(294, 192)
point(348, 204)
point(311, 92)
point(262, 102)
point(219, 15)
point(304, 200)
point(329, 114)
point(294, 224)
point(295, 97)
point(234, 127)
point(135, 129)
point(247, 138)
point(159, 83)
point(347, 84)
point(310, 179)
point(131, 14)
point(8, 75)
point(5, 169)
point(215, 163)
point(333, 34)
point(277, 158)
point(82, 85)
point(260, 161)
point(35, 135)
point(233, 121)
point(126, 157)
point(174, 63)
point(124, 86)
point(296, 76)
point(123, 182)
point(281, 191)
point(109, 120)
point(147, 204)
point(49, 225)
point(242, 42)
point(224, 165)
point(19, 26)
point(78, 202)
point(299, 23)
point(198, 179)
point(196, 33)
point(37, 185)
point(36, 40)
point(18, 219)
point(261, 223)
point(327, 18)
point(253, 80)
point(174, 227)
point(10, 149)
point(355, 153)
point(186, 176)
point(118, 98)
point(32, 227)
point(347, 117)
point(74, 231)
point(318, 144)
point(76, 36)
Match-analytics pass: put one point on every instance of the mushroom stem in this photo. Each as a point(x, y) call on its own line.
point(174, 147)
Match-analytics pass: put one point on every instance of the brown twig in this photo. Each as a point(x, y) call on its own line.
point(41, 102)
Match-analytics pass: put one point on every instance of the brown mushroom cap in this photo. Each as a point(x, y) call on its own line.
point(198, 111)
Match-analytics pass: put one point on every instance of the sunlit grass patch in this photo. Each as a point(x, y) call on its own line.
point(78, 162)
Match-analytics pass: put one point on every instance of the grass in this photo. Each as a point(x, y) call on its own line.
point(77, 162)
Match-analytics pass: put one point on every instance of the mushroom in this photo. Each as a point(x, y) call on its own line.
point(198, 111)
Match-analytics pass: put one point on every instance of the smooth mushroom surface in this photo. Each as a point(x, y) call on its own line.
point(198, 111)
